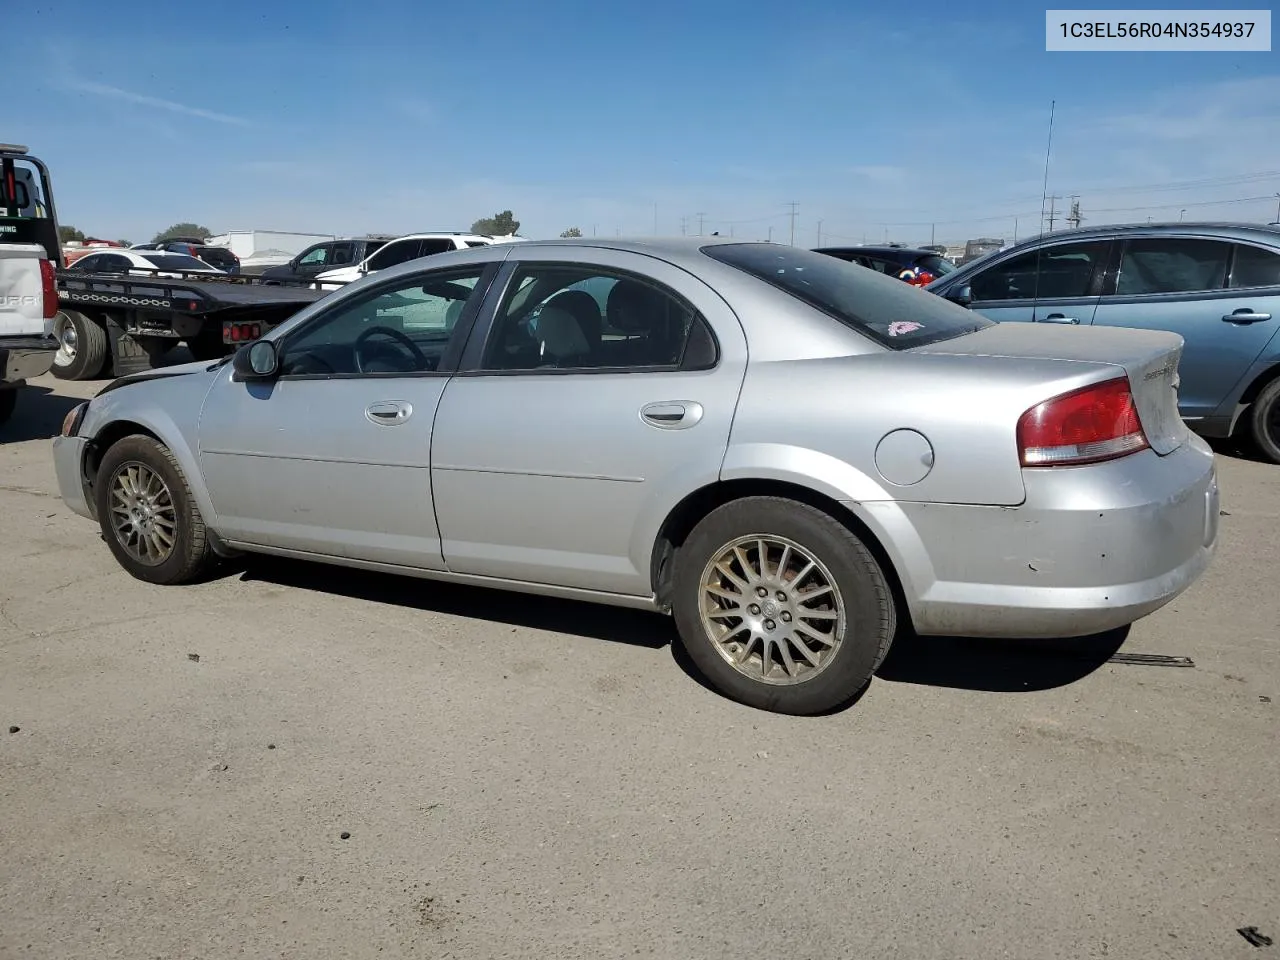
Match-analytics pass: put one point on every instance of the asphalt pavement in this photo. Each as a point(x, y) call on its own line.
point(300, 761)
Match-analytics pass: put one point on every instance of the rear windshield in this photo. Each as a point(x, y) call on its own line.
point(890, 312)
point(935, 265)
point(176, 261)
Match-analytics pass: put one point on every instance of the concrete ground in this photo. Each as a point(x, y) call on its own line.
point(543, 779)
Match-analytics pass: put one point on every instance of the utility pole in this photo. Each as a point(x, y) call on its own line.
point(771, 234)
point(933, 240)
point(793, 206)
point(1053, 218)
point(700, 217)
point(593, 229)
point(886, 233)
point(819, 233)
point(1074, 217)
point(1015, 230)
point(684, 226)
point(1278, 208)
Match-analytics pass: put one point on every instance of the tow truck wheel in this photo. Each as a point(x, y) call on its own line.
point(82, 346)
point(8, 399)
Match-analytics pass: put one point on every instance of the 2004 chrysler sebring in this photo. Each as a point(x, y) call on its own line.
point(791, 454)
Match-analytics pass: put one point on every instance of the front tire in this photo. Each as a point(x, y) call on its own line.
point(1264, 421)
point(147, 513)
point(82, 346)
point(782, 607)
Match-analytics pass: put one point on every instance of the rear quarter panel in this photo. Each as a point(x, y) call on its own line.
point(818, 422)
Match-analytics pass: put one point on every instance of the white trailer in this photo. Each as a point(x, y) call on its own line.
point(259, 249)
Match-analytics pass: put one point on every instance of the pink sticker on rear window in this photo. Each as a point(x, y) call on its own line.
point(899, 327)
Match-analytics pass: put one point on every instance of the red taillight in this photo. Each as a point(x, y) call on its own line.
point(1089, 425)
point(49, 289)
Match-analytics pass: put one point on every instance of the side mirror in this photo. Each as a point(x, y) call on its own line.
point(962, 295)
point(255, 361)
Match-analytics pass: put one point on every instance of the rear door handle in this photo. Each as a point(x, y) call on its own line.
point(672, 414)
point(389, 413)
point(1246, 315)
point(1058, 318)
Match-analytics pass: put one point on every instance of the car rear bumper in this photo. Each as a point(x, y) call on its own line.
point(1091, 549)
point(22, 358)
point(68, 465)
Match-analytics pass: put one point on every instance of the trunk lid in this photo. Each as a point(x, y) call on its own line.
point(1149, 358)
point(21, 291)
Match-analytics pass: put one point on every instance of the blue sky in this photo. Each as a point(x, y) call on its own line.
point(341, 117)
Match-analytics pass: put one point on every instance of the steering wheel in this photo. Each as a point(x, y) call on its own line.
point(419, 357)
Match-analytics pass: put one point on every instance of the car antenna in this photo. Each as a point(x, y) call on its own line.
point(1044, 196)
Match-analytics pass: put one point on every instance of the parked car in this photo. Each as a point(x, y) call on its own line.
point(401, 250)
point(791, 455)
point(141, 263)
point(916, 266)
point(219, 257)
point(319, 257)
point(1217, 285)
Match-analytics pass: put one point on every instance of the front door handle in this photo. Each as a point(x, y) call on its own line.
point(1058, 318)
point(672, 414)
point(388, 413)
point(1246, 315)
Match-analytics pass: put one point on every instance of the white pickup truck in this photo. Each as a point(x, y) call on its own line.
point(28, 288)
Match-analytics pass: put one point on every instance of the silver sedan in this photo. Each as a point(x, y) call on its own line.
point(794, 456)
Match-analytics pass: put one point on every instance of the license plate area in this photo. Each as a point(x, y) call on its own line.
point(235, 331)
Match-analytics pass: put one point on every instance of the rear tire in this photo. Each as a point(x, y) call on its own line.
point(782, 640)
point(8, 400)
point(147, 514)
point(82, 346)
point(1264, 421)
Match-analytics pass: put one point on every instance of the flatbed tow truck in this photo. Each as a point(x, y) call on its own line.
point(108, 323)
point(121, 324)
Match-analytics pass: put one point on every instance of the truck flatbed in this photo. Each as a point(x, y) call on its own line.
point(141, 317)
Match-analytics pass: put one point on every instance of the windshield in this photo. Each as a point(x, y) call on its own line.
point(177, 261)
point(890, 312)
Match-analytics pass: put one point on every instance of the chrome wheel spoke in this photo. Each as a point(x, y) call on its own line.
point(756, 617)
point(143, 516)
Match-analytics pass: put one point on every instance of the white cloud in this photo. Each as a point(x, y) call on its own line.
point(143, 100)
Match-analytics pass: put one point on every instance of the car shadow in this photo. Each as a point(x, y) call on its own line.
point(38, 415)
point(993, 666)
point(1237, 448)
point(998, 666)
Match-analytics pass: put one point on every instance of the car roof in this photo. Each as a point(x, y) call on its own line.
point(1226, 229)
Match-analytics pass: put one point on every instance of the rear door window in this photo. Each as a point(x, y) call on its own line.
point(1172, 265)
point(1255, 267)
point(396, 252)
point(342, 254)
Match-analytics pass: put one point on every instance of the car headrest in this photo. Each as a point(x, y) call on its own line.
point(584, 308)
point(559, 334)
point(632, 307)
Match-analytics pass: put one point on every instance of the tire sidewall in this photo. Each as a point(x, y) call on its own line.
point(868, 603)
point(91, 349)
point(1268, 444)
point(148, 452)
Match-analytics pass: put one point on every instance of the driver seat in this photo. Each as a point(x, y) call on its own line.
point(560, 338)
